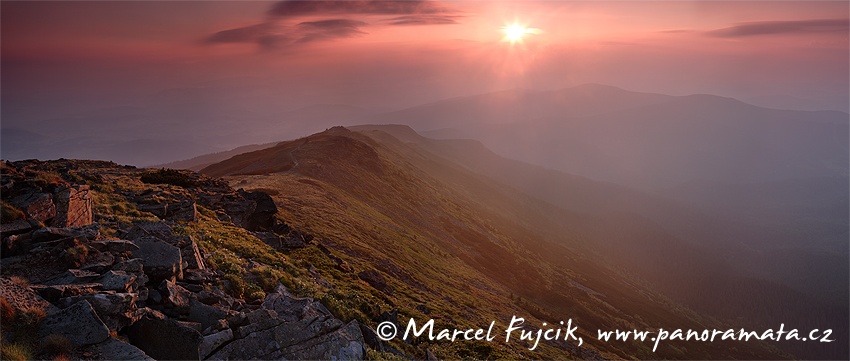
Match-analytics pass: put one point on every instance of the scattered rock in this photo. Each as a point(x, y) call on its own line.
point(55, 292)
point(72, 276)
point(16, 227)
point(162, 261)
point(175, 297)
point(163, 338)
point(118, 281)
point(204, 314)
point(291, 308)
point(78, 323)
point(116, 310)
point(192, 256)
point(376, 280)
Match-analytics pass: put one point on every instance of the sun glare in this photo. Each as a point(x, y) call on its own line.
point(516, 32)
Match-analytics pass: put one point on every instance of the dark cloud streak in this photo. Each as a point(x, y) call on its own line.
point(424, 20)
point(292, 8)
point(782, 27)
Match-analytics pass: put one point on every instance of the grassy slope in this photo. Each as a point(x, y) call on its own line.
point(469, 249)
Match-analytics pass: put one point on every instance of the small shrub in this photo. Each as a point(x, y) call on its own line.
point(254, 293)
point(56, 345)
point(7, 312)
point(76, 255)
point(31, 316)
point(168, 176)
point(20, 281)
point(9, 213)
point(267, 277)
point(234, 285)
point(15, 352)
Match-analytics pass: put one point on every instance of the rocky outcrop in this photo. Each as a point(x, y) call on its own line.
point(287, 327)
point(145, 284)
point(73, 207)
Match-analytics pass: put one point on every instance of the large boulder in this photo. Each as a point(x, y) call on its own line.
point(73, 207)
point(345, 343)
point(204, 314)
point(214, 341)
point(163, 338)
point(265, 343)
point(78, 323)
point(114, 349)
point(162, 261)
point(36, 205)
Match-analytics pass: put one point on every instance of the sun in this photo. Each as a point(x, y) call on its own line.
point(516, 32)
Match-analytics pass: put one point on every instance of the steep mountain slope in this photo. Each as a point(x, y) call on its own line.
point(466, 248)
point(745, 241)
point(720, 256)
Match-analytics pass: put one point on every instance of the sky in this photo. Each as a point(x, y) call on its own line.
point(65, 61)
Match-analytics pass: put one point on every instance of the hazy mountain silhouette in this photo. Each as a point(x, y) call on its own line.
point(649, 141)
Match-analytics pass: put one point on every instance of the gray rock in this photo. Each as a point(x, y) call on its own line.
point(72, 276)
point(265, 344)
point(118, 281)
point(164, 339)
point(114, 349)
point(55, 292)
point(101, 262)
point(184, 211)
point(192, 256)
point(154, 296)
point(78, 323)
point(205, 314)
point(162, 261)
point(36, 205)
point(259, 320)
point(175, 297)
point(73, 207)
point(133, 267)
point(213, 341)
point(16, 227)
point(345, 343)
point(291, 308)
point(116, 310)
point(114, 245)
point(47, 234)
point(20, 297)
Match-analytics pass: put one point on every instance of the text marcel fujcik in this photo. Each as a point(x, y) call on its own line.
point(566, 331)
